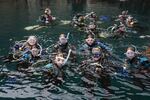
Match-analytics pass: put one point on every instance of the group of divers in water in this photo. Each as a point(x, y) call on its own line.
point(98, 59)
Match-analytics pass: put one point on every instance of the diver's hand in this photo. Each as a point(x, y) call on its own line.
point(98, 70)
point(53, 18)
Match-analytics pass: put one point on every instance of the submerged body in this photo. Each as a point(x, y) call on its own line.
point(136, 61)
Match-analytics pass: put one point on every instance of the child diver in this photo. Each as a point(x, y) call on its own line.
point(47, 18)
point(123, 16)
point(28, 58)
point(25, 53)
point(91, 16)
point(27, 46)
point(54, 70)
point(120, 31)
point(62, 45)
point(90, 43)
point(31, 42)
point(92, 69)
point(91, 28)
point(135, 60)
point(79, 21)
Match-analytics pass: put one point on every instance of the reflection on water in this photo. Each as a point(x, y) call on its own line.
point(17, 14)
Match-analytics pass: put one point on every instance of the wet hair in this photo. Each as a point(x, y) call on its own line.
point(96, 49)
point(60, 55)
point(90, 36)
point(48, 9)
point(79, 14)
point(26, 44)
point(123, 12)
point(32, 37)
point(131, 48)
point(62, 35)
point(80, 19)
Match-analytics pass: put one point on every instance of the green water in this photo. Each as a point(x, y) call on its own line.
point(15, 15)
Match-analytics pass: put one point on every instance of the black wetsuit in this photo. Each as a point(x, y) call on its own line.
point(85, 48)
point(88, 48)
point(139, 62)
point(92, 71)
point(53, 73)
point(63, 48)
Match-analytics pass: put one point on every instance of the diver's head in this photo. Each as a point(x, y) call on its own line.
point(35, 52)
point(130, 53)
point(59, 60)
point(63, 39)
point(123, 12)
point(92, 25)
point(47, 11)
point(78, 14)
point(93, 14)
point(96, 53)
point(45, 15)
point(32, 40)
point(81, 18)
point(130, 18)
point(90, 40)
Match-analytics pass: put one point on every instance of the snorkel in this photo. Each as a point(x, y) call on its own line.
point(65, 60)
point(68, 52)
point(60, 60)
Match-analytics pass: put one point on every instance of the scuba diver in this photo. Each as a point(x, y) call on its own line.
point(122, 18)
point(47, 18)
point(130, 22)
point(91, 28)
point(147, 52)
point(79, 21)
point(62, 45)
point(27, 59)
point(90, 43)
point(25, 52)
point(93, 69)
point(136, 61)
point(53, 71)
point(31, 42)
point(120, 31)
point(117, 31)
point(21, 47)
point(91, 16)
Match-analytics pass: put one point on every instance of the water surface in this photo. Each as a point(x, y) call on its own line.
point(15, 15)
